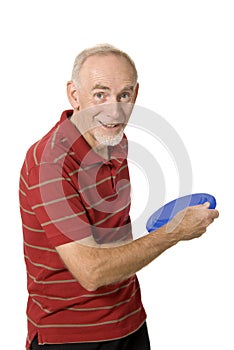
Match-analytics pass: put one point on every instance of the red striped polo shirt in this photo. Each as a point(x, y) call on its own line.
point(67, 193)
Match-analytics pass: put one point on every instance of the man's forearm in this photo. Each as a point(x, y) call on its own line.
point(95, 266)
point(118, 263)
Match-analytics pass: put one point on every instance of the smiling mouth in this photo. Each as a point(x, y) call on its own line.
point(110, 126)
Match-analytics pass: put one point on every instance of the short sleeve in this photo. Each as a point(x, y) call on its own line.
point(57, 204)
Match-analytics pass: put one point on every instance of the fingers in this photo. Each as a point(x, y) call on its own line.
point(212, 215)
point(213, 212)
point(193, 221)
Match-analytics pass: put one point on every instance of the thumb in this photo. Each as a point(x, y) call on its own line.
point(206, 205)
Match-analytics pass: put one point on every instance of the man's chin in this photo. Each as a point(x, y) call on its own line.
point(109, 140)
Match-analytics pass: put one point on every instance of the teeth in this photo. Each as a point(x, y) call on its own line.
point(109, 125)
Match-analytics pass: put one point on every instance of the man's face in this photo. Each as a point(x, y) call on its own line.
point(106, 93)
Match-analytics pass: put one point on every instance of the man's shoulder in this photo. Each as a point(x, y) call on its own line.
point(41, 150)
point(51, 147)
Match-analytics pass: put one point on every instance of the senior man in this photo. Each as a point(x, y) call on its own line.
point(80, 257)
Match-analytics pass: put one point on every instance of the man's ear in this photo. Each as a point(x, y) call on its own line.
point(135, 92)
point(72, 94)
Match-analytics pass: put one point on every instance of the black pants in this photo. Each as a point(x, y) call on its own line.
point(136, 341)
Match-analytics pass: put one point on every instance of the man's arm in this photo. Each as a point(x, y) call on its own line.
point(96, 266)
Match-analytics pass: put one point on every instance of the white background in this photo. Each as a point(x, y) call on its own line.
point(184, 53)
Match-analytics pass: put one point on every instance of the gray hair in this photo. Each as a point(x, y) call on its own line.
point(101, 49)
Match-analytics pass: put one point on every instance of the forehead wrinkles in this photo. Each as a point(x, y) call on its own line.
point(107, 70)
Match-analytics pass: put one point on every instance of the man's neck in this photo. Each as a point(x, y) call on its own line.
point(101, 150)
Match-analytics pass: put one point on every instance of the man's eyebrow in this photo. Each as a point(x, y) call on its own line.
point(103, 87)
point(100, 87)
point(128, 87)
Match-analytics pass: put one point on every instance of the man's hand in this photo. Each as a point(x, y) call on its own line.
point(192, 222)
point(95, 266)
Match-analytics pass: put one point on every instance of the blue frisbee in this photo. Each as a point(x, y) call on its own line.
point(169, 210)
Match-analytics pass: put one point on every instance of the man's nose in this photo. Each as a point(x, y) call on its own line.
point(114, 110)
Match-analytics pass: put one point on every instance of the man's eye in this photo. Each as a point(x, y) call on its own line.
point(99, 95)
point(125, 96)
